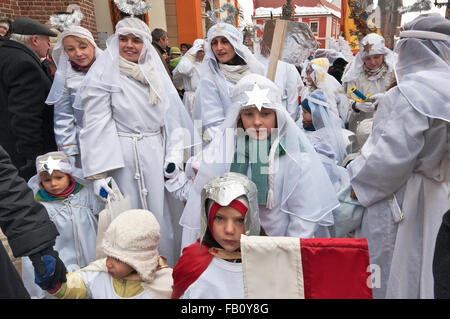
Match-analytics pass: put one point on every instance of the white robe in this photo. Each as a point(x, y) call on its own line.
point(67, 119)
point(76, 221)
point(405, 160)
point(221, 280)
point(125, 136)
point(187, 74)
point(366, 87)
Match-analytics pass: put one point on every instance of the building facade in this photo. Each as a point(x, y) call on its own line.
point(184, 20)
point(322, 16)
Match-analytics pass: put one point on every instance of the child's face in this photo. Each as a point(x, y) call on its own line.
point(258, 124)
point(307, 118)
point(118, 269)
point(228, 226)
point(55, 183)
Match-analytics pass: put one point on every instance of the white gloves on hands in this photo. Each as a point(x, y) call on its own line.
point(102, 190)
point(371, 104)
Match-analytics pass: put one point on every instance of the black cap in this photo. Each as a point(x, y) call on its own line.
point(28, 26)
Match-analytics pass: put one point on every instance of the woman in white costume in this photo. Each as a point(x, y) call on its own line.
point(226, 61)
point(135, 127)
point(371, 72)
point(402, 176)
point(187, 73)
point(295, 195)
point(74, 54)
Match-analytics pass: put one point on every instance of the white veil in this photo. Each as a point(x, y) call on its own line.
point(304, 163)
point(63, 67)
point(423, 65)
point(105, 74)
point(375, 44)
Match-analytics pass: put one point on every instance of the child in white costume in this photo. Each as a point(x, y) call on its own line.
point(403, 174)
point(187, 73)
point(371, 72)
point(74, 53)
point(211, 268)
point(294, 192)
point(72, 207)
point(323, 127)
point(135, 126)
point(226, 61)
point(133, 269)
point(317, 77)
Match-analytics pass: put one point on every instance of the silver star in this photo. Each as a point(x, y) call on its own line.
point(257, 97)
point(51, 164)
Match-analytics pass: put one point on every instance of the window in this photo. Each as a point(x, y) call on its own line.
point(314, 27)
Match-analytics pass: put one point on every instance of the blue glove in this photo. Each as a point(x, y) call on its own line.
point(49, 270)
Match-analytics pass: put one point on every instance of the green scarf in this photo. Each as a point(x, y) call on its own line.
point(43, 196)
point(256, 154)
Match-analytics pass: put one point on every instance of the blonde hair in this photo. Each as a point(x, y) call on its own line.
point(79, 40)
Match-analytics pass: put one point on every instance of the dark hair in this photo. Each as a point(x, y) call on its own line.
point(187, 45)
point(236, 60)
point(158, 34)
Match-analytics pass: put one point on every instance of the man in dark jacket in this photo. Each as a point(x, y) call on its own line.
point(29, 230)
point(160, 42)
point(26, 122)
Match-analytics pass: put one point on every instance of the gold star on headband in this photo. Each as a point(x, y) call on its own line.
point(50, 165)
point(368, 47)
point(257, 97)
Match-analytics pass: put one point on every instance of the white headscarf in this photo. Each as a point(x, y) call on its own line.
point(105, 74)
point(371, 44)
point(62, 62)
point(423, 65)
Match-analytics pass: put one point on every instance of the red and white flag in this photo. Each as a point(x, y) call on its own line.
point(315, 268)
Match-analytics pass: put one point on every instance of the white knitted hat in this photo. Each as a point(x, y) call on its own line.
point(133, 238)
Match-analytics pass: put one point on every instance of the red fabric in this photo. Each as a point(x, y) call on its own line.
point(240, 207)
point(335, 268)
point(192, 263)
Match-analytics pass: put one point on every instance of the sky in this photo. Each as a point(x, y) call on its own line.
point(247, 6)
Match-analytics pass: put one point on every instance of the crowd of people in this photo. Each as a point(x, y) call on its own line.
point(205, 149)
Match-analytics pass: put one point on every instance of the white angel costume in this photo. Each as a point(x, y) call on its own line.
point(367, 81)
point(295, 194)
point(134, 126)
point(326, 133)
point(187, 74)
point(317, 69)
point(75, 217)
point(213, 96)
point(68, 118)
point(403, 174)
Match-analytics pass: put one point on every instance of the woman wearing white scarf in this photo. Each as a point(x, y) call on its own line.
point(371, 72)
point(74, 53)
point(220, 72)
point(135, 125)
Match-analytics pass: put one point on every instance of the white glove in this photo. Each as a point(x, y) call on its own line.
point(371, 104)
point(100, 184)
point(366, 106)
